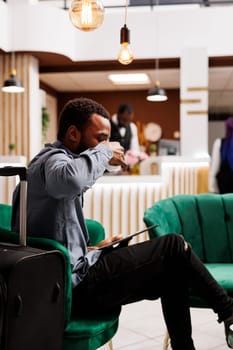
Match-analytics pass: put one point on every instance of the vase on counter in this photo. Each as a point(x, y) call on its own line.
point(135, 169)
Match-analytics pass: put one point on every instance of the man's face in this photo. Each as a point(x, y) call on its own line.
point(125, 118)
point(96, 131)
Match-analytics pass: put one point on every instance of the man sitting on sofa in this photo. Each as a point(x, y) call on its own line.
point(105, 279)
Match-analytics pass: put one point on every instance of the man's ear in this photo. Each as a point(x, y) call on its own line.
point(73, 134)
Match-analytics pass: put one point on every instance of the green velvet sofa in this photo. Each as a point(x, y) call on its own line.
point(206, 222)
point(79, 333)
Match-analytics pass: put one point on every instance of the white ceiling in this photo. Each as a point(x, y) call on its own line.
point(220, 83)
point(98, 81)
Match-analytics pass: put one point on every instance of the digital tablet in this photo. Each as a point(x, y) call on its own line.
point(123, 242)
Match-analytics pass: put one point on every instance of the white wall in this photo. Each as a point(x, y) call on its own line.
point(4, 32)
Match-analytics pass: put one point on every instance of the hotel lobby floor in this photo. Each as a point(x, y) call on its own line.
point(142, 327)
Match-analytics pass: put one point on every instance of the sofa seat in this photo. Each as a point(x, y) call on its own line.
point(89, 333)
point(223, 273)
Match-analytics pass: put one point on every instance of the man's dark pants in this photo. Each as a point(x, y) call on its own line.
point(163, 268)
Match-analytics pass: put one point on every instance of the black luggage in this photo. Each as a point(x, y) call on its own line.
point(31, 289)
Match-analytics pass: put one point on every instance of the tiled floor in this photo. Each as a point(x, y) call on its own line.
point(142, 327)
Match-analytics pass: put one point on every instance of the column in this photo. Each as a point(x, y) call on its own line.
point(194, 102)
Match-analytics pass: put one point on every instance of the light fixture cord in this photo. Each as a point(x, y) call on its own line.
point(126, 10)
point(13, 68)
point(65, 7)
point(157, 41)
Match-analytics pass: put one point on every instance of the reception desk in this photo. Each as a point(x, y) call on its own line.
point(119, 202)
point(182, 175)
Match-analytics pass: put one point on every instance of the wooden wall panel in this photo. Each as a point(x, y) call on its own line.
point(14, 108)
point(166, 114)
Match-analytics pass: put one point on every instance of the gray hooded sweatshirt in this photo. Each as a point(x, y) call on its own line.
point(57, 179)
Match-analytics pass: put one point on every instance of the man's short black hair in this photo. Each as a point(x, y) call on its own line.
point(125, 107)
point(77, 112)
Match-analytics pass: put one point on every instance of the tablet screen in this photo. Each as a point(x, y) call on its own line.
point(127, 238)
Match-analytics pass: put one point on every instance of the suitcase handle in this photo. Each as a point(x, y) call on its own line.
point(22, 172)
point(13, 171)
point(18, 305)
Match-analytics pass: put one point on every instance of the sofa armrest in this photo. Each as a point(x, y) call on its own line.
point(95, 230)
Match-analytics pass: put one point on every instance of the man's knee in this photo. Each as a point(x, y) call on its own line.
point(175, 239)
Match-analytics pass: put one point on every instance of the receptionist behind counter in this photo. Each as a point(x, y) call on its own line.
point(123, 129)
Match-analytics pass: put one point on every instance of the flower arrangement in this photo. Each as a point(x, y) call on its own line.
point(133, 157)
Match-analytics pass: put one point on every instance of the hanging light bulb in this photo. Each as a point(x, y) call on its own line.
point(86, 15)
point(125, 55)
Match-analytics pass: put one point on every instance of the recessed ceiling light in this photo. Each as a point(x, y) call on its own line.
point(127, 79)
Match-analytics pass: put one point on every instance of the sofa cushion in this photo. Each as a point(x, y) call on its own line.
point(223, 273)
point(90, 333)
point(188, 213)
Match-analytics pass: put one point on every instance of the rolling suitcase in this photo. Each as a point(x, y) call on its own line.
point(31, 289)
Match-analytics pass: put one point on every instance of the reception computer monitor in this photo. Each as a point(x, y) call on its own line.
point(168, 147)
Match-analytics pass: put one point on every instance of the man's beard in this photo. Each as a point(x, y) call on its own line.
point(81, 147)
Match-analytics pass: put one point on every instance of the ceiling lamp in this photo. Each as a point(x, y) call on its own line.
point(86, 15)
point(12, 84)
point(125, 55)
point(157, 94)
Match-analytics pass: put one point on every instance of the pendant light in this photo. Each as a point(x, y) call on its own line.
point(12, 84)
point(125, 55)
point(157, 94)
point(86, 15)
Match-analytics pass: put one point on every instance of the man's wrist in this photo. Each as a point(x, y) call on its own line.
point(103, 147)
